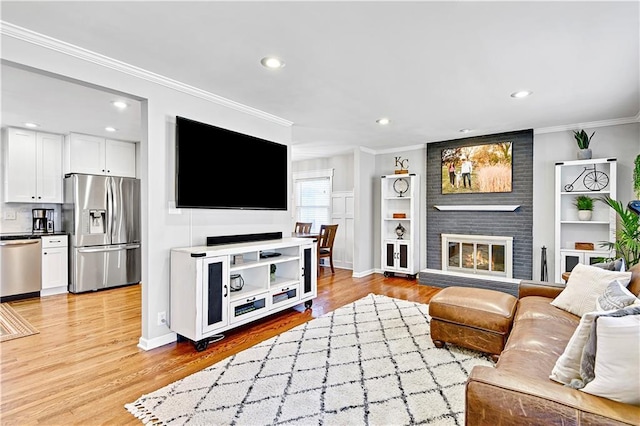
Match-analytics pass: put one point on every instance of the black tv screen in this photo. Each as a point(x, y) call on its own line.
point(218, 168)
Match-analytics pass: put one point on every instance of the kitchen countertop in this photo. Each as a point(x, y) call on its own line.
point(28, 235)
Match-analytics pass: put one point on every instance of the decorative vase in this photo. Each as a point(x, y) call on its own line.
point(584, 154)
point(272, 270)
point(400, 230)
point(584, 214)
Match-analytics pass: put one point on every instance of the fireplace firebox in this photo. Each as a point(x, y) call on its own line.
point(478, 254)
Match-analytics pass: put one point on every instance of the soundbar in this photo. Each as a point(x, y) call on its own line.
point(244, 238)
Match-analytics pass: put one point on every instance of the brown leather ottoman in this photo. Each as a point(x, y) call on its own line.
point(473, 318)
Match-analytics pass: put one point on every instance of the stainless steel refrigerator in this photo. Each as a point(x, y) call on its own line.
point(102, 216)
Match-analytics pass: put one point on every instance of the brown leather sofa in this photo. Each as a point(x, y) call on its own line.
point(518, 390)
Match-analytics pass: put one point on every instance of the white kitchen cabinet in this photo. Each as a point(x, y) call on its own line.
point(400, 237)
point(55, 269)
point(99, 156)
point(596, 178)
point(120, 158)
point(33, 166)
point(207, 297)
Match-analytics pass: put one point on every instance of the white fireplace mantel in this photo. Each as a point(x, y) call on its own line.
point(479, 207)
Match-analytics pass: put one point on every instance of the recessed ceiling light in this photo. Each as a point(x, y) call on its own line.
point(120, 104)
point(383, 121)
point(272, 62)
point(521, 94)
point(32, 125)
point(465, 130)
point(110, 129)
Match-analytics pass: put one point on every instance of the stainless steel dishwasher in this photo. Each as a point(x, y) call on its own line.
point(20, 267)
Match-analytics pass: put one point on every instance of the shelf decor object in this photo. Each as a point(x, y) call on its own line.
point(584, 203)
point(401, 186)
point(583, 140)
point(593, 180)
point(399, 215)
point(584, 246)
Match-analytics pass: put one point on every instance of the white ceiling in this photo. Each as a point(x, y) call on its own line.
point(433, 68)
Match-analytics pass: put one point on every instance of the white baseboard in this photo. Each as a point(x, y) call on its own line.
point(156, 342)
point(363, 273)
point(54, 290)
point(472, 276)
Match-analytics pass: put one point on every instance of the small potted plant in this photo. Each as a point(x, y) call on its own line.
point(583, 140)
point(584, 203)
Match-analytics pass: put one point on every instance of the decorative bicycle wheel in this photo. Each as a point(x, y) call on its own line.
point(568, 187)
point(596, 180)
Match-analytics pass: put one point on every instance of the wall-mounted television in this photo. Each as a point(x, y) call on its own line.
point(218, 168)
point(477, 168)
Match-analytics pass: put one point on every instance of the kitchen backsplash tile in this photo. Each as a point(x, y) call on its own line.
point(17, 217)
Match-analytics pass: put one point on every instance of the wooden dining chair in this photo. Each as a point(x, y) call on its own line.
point(302, 227)
point(325, 244)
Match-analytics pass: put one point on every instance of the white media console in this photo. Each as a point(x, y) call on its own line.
point(205, 295)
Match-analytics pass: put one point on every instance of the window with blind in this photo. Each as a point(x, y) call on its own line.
point(313, 197)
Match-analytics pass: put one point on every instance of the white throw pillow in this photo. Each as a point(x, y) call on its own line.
point(586, 283)
point(617, 361)
point(567, 366)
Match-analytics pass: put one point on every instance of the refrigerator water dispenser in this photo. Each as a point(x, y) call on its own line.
point(97, 221)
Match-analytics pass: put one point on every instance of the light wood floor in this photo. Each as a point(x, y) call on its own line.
point(84, 364)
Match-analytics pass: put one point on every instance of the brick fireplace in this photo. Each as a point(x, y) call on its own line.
point(507, 215)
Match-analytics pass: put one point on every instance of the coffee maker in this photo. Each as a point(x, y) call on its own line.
point(42, 220)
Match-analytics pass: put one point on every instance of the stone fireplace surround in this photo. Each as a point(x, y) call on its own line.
point(492, 214)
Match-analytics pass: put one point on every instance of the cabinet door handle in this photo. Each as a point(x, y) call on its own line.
point(225, 291)
point(285, 289)
point(251, 300)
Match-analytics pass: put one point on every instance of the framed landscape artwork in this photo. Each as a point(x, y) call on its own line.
point(477, 168)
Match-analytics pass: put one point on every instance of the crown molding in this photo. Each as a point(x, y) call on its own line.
point(368, 150)
point(23, 34)
point(399, 149)
point(589, 125)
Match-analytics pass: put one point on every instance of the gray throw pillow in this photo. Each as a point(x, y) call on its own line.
point(615, 296)
point(614, 265)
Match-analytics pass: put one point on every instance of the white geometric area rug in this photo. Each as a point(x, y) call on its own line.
point(371, 362)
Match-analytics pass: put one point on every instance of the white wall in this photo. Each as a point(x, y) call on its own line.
point(364, 179)
point(161, 230)
point(341, 164)
point(621, 142)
